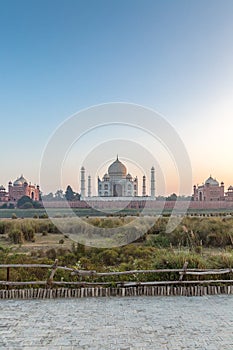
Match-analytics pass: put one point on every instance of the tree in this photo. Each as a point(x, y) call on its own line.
point(172, 197)
point(59, 195)
point(4, 206)
point(77, 197)
point(37, 205)
point(69, 194)
point(24, 201)
point(48, 197)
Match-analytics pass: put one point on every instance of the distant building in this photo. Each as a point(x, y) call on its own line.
point(209, 191)
point(229, 194)
point(4, 196)
point(117, 182)
point(20, 187)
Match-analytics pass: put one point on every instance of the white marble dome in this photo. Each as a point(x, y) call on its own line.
point(117, 169)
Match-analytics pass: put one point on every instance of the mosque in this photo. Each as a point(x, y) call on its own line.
point(19, 188)
point(117, 182)
point(212, 190)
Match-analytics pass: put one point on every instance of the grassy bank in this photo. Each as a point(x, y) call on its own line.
point(83, 212)
point(205, 242)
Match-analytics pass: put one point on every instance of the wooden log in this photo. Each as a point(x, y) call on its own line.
point(6, 283)
point(208, 272)
point(182, 274)
point(54, 269)
point(99, 274)
point(24, 265)
point(177, 282)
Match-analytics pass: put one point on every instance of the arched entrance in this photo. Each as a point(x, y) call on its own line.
point(117, 190)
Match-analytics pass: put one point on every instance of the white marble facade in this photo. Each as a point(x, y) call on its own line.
point(117, 183)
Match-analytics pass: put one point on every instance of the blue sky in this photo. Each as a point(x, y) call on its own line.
point(58, 57)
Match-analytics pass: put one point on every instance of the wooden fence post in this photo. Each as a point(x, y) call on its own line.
point(50, 278)
point(8, 275)
point(183, 273)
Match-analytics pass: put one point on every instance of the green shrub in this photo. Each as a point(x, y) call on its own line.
point(28, 230)
point(4, 206)
point(43, 216)
point(51, 253)
point(27, 205)
point(16, 236)
point(2, 228)
point(109, 257)
point(160, 241)
point(37, 205)
point(23, 202)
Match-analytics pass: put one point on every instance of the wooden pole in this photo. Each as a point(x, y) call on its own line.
point(54, 269)
point(8, 276)
point(182, 274)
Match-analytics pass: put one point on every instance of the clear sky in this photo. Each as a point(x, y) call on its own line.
point(57, 57)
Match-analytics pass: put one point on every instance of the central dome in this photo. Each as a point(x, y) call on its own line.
point(117, 169)
point(20, 181)
point(211, 181)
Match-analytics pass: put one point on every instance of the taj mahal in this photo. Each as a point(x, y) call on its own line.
point(117, 182)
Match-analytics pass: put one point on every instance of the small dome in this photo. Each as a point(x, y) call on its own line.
point(117, 169)
point(2, 188)
point(211, 181)
point(230, 188)
point(106, 177)
point(129, 176)
point(20, 181)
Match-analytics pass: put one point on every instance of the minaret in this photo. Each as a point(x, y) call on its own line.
point(144, 186)
point(83, 182)
point(152, 182)
point(136, 185)
point(89, 186)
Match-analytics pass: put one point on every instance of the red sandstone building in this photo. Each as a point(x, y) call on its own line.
point(4, 197)
point(209, 191)
point(19, 188)
point(229, 194)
